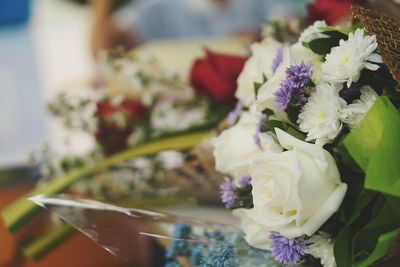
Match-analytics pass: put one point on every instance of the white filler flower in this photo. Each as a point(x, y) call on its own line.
point(321, 247)
point(346, 61)
point(320, 116)
point(355, 112)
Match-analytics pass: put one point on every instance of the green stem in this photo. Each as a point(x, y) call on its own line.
point(19, 212)
point(42, 245)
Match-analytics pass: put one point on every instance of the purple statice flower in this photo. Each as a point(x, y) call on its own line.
point(235, 114)
point(278, 58)
point(245, 181)
point(227, 192)
point(285, 250)
point(299, 75)
point(284, 94)
point(292, 87)
point(256, 136)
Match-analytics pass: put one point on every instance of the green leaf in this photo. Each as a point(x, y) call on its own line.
point(293, 113)
point(335, 34)
point(384, 221)
point(374, 144)
point(384, 244)
point(323, 46)
point(257, 87)
point(343, 248)
point(19, 212)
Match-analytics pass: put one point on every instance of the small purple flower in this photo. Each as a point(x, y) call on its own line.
point(245, 181)
point(278, 58)
point(292, 88)
point(299, 75)
point(284, 94)
point(227, 192)
point(285, 250)
point(235, 114)
point(256, 136)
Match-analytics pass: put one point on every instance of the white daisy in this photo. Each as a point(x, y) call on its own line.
point(313, 32)
point(321, 247)
point(355, 112)
point(345, 62)
point(319, 117)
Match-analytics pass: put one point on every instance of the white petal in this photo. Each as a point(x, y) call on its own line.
point(325, 211)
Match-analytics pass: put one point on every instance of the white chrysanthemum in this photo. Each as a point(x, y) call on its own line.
point(321, 247)
point(313, 32)
point(355, 112)
point(346, 61)
point(320, 116)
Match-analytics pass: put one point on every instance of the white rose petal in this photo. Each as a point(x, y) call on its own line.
point(235, 147)
point(254, 232)
point(257, 66)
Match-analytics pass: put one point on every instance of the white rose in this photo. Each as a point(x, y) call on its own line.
point(293, 55)
point(235, 147)
point(259, 64)
point(294, 192)
point(255, 233)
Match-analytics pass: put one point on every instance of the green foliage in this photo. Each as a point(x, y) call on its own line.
point(371, 215)
point(343, 248)
point(323, 46)
point(374, 144)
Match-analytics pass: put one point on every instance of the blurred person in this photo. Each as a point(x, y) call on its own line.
point(147, 20)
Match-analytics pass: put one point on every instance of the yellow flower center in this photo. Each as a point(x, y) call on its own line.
point(321, 114)
point(345, 59)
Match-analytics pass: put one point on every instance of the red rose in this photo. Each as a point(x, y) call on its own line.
point(115, 123)
point(215, 75)
point(332, 11)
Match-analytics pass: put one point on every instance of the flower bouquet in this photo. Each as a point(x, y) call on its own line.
point(309, 155)
point(311, 162)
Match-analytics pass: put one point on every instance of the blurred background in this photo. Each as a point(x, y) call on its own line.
point(47, 46)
